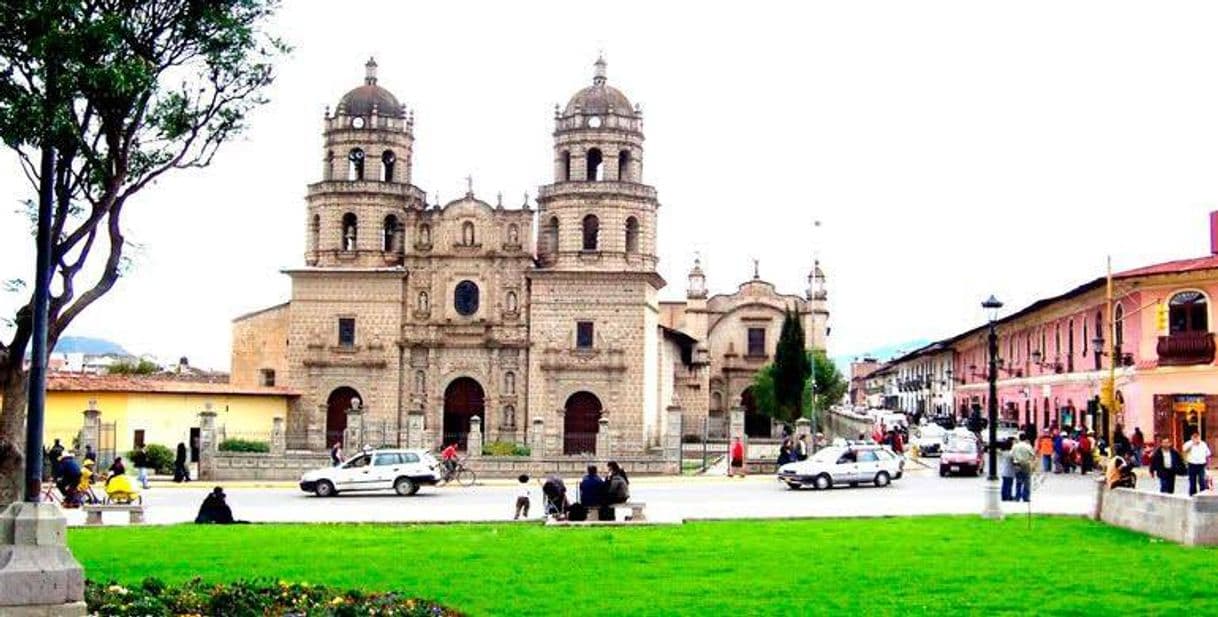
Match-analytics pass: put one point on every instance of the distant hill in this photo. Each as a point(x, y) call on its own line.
point(886, 352)
point(87, 345)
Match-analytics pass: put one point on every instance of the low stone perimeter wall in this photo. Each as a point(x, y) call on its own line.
point(258, 466)
point(1192, 521)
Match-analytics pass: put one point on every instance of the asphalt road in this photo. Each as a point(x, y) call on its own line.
point(920, 491)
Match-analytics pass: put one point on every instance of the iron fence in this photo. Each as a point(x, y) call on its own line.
point(579, 443)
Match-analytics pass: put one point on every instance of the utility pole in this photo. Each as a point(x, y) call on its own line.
point(1108, 389)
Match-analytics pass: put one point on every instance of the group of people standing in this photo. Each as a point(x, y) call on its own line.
point(1166, 463)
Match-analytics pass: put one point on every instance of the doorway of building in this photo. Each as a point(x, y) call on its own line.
point(756, 424)
point(581, 423)
point(463, 399)
point(336, 414)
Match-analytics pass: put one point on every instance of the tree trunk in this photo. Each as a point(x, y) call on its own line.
point(12, 434)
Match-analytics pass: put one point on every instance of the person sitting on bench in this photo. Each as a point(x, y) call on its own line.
point(617, 490)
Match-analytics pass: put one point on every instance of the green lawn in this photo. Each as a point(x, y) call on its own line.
point(917, 565)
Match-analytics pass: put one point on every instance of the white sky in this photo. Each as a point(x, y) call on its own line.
point(952, 149)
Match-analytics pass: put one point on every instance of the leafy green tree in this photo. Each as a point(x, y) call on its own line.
point(778, 388)
point(121, 92)
point(830, 387)
point(142, 367)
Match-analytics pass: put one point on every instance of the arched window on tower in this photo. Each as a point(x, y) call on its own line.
point(467, 233)
point(350, 229)
point(632, 235)
point(592, 227)
point(389, 242)
point(596, 165)
point(552, 236)
point(388, 158)
point(566, 166)
point(327, 172)
point(315, 232)
point(623, 166)
point(355, 164)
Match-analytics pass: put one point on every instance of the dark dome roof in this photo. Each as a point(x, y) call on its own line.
point(599, 97)
point(361, 100)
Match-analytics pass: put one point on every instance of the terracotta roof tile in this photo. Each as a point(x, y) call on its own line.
point(1173, 267)
point(81, 382)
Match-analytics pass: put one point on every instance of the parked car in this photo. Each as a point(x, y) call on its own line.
point(851, 465)
point(930, 439)
point(403, 471)
point(961, 455)
point(1007, 430)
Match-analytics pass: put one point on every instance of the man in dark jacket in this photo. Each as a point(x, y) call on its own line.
point(1165, 464)
point(215, 509)
point(592, 489)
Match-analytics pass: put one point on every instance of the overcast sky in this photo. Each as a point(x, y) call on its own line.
point(952, 149)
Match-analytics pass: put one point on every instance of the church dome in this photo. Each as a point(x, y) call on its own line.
point(361, 100)
point(599, 97)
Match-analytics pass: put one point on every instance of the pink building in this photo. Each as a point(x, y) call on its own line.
point(1051, 369)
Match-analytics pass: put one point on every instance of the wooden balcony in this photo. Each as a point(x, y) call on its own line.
point(1186, 348)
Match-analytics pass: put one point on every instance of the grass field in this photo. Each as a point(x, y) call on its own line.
point(944, 565)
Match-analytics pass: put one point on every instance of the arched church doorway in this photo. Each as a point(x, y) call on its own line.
point(463, 399)
point(336, 415)
point(756, 424)
point(580, 423)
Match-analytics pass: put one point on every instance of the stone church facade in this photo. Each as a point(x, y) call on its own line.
point(545, 325)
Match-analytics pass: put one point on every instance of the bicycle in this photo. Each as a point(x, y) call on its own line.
point(459, 472)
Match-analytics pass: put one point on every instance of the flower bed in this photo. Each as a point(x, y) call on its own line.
point(257, 597)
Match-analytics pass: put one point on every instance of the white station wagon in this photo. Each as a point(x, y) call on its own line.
point(850, 465)
point(403, 471)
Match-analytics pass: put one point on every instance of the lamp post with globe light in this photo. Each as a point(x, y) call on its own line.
point(993, 509)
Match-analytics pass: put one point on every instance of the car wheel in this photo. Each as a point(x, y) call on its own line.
point(823, 482)
point(405, 486)
point(325, 488)
point(942, 472)
point(980, 469)
point(795, 486)
point(882, 479)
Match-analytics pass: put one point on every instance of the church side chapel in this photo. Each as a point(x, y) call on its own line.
point(533, 326)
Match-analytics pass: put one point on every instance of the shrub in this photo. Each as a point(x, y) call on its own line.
point(505, 448)
point(256, 597)
point(244, 445)
point(160, 458)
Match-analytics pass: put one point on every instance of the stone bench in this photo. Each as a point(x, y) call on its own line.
point(93, 512)
point(637, 515)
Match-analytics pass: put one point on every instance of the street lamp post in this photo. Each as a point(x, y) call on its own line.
point(993, 509)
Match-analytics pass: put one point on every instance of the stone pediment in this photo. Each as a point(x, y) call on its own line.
point(598, 360)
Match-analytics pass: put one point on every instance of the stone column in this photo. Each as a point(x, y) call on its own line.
point(473, 442)
point(315, 430)
point(414, 429)
point(776, 427)
point(90, 431)
point(736, 424)
point(353, 437)
point(278, 441)
point(672, 435)
point(207, 443)
point(537, 437)
point(604, 440)
point(38, 575)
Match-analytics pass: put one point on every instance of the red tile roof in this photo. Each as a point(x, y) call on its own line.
point(1172, 267)
point(80, 382)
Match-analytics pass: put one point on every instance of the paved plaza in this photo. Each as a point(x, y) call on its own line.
point(668, 499)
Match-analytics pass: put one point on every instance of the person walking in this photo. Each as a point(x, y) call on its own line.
point(1006, 470)
point(336, 453)
point(180, 474)
point(735, 457)
point(1044, 447)
point(1165, 464)
point(1120, 443)
point(1085, 453)
point(1022, 457)
point(1196, 454)
point(801, 448)
point(139, 458)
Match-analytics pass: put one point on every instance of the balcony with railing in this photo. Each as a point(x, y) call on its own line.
point(1186, 348)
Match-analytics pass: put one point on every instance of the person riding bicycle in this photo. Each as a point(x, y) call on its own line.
point(448, 458)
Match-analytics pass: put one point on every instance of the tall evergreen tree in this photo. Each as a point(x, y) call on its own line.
point(791, 369)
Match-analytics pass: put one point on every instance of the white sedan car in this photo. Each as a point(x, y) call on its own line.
point(375, 470)
point(850, 465)
point(930, 439)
